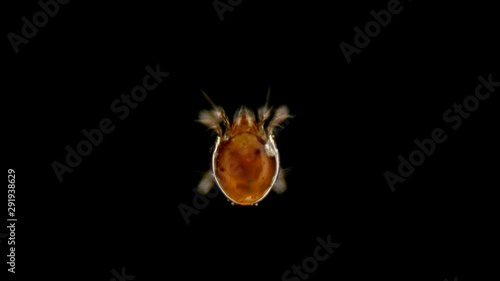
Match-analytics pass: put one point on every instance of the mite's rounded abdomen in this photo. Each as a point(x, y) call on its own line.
point(243, 169)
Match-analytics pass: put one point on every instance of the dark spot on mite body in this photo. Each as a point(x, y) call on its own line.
point(242, 186)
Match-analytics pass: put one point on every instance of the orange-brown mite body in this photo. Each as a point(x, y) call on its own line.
point(245, 161)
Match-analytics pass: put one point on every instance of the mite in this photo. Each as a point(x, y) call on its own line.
point(245, 159)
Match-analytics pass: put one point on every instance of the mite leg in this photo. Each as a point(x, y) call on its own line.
point(282, 113)
point(210, 119)
point(280, 184)
point(264, 111)
point(213, 118)
point(206, 183)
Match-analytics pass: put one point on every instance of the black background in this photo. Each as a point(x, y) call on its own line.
point(120, 206)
